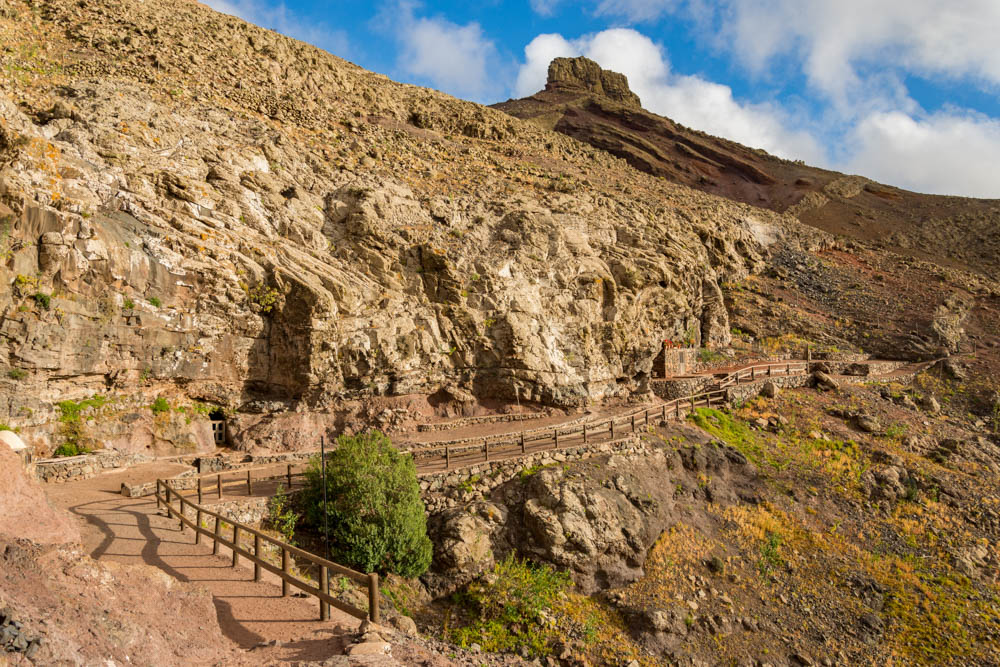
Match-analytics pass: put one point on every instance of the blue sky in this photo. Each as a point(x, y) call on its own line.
point(903, 91)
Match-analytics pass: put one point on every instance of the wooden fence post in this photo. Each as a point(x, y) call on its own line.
point(284, 568)
point(289, 475)
point(633, 423)
point(556, 436)
point(373, 612)
point(447, 457)
point(677, 410)
point(218, 534)
point(197, 530)
point(157, 495)
point(585, 434)
point(199, 491)
point(486, 445)
point(612, 423)
point(663, 414)
point(236, 544)
point(324, 586)
point(218, 482)
point(522, 442)
point(180, 512)
point(256, 553)
point(249, 484)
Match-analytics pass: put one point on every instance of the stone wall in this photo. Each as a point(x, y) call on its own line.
point(747, 390)
point(484, 419)
point(86, 465)
point(680, 387)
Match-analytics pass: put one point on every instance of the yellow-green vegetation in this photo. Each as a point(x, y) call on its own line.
point(71, 424)
point(520, 606)
point(264, 296)
point(511, 608)
point(160, 406)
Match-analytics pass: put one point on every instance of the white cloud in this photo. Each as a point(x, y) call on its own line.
point(950, 152)
point(277, 17)
point(689, 100)
point(458, 59)
point(544, 7)
point(839, 43)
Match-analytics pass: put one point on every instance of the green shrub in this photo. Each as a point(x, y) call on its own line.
point(375, 514)
point(17, 374)
point(128, 304)
point(280, 515)
point(154, 301)
point(70, 449)
point(43, 300)
point(160, 405)
point(508, 609)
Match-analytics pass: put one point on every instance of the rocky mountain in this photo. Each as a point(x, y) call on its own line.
point(197, 208)
point(582, 101)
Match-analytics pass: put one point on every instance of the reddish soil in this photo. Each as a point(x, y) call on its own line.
point(131, 530)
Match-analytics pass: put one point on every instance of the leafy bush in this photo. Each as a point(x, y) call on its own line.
point(375, 514)
point(510, 608)
point(43, 300)
point(154, 301)
point(17, 374)
point(128, 304)
point(280, 515)
point(160, 405)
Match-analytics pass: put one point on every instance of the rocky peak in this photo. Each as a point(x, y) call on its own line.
point(585, 73)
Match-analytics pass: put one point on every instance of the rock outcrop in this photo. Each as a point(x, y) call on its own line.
point(585, 74)
point(596, 519)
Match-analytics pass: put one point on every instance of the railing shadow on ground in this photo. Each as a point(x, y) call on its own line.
point(166, 496)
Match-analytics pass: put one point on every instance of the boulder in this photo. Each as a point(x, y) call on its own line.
point(824, 381)
point(770, 390)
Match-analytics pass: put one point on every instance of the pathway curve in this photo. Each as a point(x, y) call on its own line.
point(131, 530)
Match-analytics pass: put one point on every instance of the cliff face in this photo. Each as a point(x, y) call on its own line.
point(202, 210)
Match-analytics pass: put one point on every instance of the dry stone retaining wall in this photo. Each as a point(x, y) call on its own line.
point(86, 465)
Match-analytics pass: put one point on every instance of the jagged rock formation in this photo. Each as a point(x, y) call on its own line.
point(574, 73)
point(582, 101)
point(200, 209)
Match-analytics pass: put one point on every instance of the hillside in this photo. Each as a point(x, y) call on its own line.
point(955, 231)
point(205, 224)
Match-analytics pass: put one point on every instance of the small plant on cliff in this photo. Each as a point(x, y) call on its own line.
point(280, 515)
point(17, 374)
point(264, 296)
point(160, 405)
point(509, 609)
point(154, 302)
point(43, 300)
point(375, 515)
point(71, 424)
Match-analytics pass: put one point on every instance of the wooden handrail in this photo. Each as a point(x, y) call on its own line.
point(165, 495)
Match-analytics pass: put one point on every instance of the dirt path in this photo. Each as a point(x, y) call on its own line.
point(131, 530)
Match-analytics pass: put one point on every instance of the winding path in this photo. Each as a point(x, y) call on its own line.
point(131, 530)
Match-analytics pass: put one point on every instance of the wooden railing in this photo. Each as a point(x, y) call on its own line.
point(211, 484)
point(166, 496)
point(765, 370)
point(433, 457)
